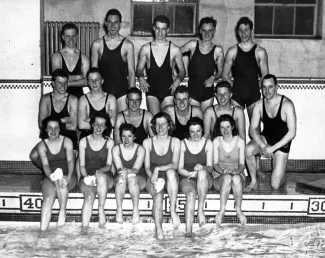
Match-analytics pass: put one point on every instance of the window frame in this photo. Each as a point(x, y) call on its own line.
point(317, 23)
point(170, 34)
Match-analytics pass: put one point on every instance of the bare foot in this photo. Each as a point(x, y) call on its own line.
point(241, 217)
point(259, 173)
point(101, 217)
point(84, 230)
point(201, 217)
point(251, 187)
point(119, 216)
point(219, 217)
point(135, 217)
point(175, 219)
point(61, 219)
point(160, 234)
point(42, 234)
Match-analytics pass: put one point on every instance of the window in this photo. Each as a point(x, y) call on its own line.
point(181, 13)
point(287, 18)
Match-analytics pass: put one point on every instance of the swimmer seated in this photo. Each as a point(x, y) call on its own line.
point(161, 161)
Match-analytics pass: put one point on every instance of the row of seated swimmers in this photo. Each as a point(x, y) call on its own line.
point(163, 62)
point(175, 155)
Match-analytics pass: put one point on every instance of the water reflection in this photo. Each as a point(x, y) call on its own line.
point(301, 240)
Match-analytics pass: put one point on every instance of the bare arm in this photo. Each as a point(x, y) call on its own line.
point(189, 46)
point(143, 84)
point(82, 157)
point(111, 108)
point(44, 160)
point(240, 122)
point(229, 60)
point(109, 160)
point(209, 121)
point(197, 112)
point(149, 117)
point(262, 61)
point(80, 80)
point(131, 63)
point(71, 121)
point(181, 170)
point(83, 119)
point(95, 54)
point(147, 147)
point(119, 121)
point(44, 109)
point(70, 157)
point(219, 57)
point(138, 162)
point(181, 69)
point(209, 153)
point(216, 166)
point(241, 163)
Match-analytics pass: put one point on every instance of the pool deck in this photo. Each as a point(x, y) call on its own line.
point(21, 198)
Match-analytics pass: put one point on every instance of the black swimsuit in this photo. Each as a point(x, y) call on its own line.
point(181, 131)
point(65, 113)
point(141, 133)
point(76, 91)
point(115, 71)
point(160, 78)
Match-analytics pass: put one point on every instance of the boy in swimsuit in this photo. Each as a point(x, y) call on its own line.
point(160, 58)
point(71, 60)
point(279, 118)
point(114, 55)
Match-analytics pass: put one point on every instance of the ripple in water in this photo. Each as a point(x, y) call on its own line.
point(301, 240)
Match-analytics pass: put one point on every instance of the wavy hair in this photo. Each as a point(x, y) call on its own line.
point(171, 125)
point(223, 118)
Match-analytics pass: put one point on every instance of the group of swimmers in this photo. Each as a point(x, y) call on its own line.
point(181, 141)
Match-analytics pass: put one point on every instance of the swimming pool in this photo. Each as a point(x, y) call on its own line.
point(229, 240)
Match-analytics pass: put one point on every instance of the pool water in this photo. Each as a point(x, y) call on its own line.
point(299, 240)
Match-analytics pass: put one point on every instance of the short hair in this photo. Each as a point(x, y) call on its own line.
point(107, 131)
point(69, 26)
point(193, 121)
point(181, 89)
point(95, 70)
point(223, 84)
point(59, 73)
point(223, 118)
point(244, 20)
point(134, 90)
point(127, 127)
point(207, 20)
point(113, 12)
point(162, 19)
point(170, 122)
point(270, 76)
point(52, 118)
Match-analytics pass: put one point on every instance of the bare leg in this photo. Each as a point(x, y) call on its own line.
point(189, 189)
point(252, 149)
point(104, 182)
point(225, 183)
point(120, 187)
point(237, 189)
point(157, 207)
point(89, 193)
point(153, 105)
point(62, 194)
point(169, 100)
point(280, 160)
point(134, 190)
point(259, 172)
point(172, 189)
point(206, 104)
point(202, 190)
point(49, 195)
point(121, 104)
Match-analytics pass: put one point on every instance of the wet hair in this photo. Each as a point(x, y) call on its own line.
point(127, 127)
point(268, 77)
point(59, 73)
point(107, 131)
point(95, 70)
point(244, 20)
point(181, 90)
point(113, 12)
point(162, 19)
point(223, 84)
point(223, 118)
point(171, 126)
point(134, 90)
point(207, 20)
point(69, 26)
point(43, 133)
